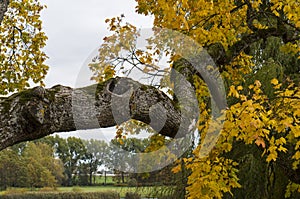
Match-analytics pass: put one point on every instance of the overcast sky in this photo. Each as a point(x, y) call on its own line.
point(75, 29)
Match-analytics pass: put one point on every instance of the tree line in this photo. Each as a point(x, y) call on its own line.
point(55, 161)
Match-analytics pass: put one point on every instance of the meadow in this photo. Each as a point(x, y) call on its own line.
point(146, 192)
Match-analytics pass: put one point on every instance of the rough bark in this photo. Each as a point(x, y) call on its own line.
point(38, 112)
point(3, 8)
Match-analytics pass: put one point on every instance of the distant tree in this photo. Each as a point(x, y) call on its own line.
point(96, 155)
point(10, 166)
point(121, 156)
point(41, 167)
point(117, 160)
point(70, 151)
point(29, 165)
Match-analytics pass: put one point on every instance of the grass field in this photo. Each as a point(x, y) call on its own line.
point(149, 192)
point(101, 179)
point(143, 191)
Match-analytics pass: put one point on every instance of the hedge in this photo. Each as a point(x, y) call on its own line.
point(63, 195)
point(132, 196)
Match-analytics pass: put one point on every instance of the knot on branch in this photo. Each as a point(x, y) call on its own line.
point(121, 90)
point(121, 86)
point(36, 112)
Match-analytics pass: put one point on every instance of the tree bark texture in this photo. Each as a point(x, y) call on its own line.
point(37, 112)
point(3, 8)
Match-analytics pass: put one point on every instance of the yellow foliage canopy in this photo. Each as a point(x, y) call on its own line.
point(255, 115)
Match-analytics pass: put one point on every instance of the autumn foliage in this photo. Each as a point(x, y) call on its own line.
point(255, 47)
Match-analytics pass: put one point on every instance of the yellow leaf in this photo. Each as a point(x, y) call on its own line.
point(274, 81)
point(280, 141)
point(271, 157)
point(259, 141)
point(281, 148)
point(233, 92)
point(297, 155)
point(176, 169)
point(239, 88)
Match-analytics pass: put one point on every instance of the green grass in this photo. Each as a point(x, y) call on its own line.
point(143, 191)
point(100, 180)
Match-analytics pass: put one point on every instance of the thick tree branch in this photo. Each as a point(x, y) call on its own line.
point(38, 112)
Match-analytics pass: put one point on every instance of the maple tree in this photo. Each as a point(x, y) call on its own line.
point(22, 41)
point(254, 116)
point(255, 47)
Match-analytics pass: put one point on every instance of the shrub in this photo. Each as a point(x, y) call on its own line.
point(63, 195)
point(166, 197)
point(132, 182)
point(121, 185)
point(132, 196)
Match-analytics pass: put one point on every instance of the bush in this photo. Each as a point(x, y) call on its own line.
point(132, 196)
point(63, 195)
point(166, 197)
point(132, 182)
point(121, 185)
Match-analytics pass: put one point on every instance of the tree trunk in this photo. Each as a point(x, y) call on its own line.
point(122, 177)
point(91, 175)
point(3, 8)
point(105, 178)
point(38, 112)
